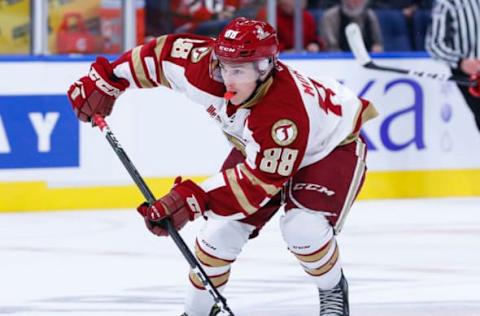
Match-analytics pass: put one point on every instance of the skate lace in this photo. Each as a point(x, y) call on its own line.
point(331, 302)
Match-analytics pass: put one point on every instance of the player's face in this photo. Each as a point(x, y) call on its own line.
point(239, 78)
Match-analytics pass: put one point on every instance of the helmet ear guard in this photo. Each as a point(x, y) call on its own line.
point(265, 66)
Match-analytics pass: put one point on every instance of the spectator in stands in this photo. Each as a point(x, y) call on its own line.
point(158, 19)
point(335, 20)
point(209, 17)
point(321, 4)
point(285, 27)
point(408, 7)
point(453, 38)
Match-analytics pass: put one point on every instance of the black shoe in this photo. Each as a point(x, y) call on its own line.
point(214, 311)
point(334, 302)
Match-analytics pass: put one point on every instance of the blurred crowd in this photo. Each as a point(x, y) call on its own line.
point(95, 26)
point(393, 25)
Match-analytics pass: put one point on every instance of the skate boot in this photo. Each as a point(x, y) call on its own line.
point(214, 311)
point(334, 302)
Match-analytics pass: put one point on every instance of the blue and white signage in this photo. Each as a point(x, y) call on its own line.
point(38, 131)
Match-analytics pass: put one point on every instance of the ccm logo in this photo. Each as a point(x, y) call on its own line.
point(313, 187)
point(227, 49)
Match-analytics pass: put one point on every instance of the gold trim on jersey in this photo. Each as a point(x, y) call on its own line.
point(316, 255)
point(209, 260)
point(139, 70)
point(261, 91)
point(217, 280)
point(199, 52)
point(349, 139)
point(158, 53)
point(355, 184)
point(327, 266)
point(269, 188)
point(238, 192)
point(368, 113)
point(236, 143)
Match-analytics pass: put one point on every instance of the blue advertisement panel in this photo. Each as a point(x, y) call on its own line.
point(38, 131)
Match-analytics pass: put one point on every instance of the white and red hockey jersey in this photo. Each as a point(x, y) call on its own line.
point(292, 121)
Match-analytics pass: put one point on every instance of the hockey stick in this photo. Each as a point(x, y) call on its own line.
point(355, 41)
point(137, 178)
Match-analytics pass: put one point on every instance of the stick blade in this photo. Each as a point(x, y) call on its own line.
point(355, 41)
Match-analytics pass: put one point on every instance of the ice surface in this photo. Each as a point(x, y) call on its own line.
point(402, 257)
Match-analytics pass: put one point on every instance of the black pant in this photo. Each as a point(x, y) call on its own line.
point(472, 102)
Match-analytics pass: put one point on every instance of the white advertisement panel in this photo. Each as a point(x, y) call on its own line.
point(423, 125)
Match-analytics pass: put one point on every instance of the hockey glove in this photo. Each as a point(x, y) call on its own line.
point(96, 93)
point(183, 203)
point(475, 90)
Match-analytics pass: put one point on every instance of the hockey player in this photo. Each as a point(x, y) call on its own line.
point(295, 143)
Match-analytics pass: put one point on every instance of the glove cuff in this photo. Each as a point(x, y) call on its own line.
point(102, 74)
point(196, 199)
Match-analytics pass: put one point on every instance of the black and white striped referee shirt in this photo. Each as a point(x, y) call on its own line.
point(455, 31)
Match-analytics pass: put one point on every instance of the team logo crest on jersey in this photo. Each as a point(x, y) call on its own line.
point(284, 132)
point(199, 52)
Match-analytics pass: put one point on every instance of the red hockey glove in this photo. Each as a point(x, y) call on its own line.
point(475, 90)
point(96, 93)
point(183, 203)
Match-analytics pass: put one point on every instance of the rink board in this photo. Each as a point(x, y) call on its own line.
point(424, 144)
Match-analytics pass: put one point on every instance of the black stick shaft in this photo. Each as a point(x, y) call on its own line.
point(461, 80)
point(357, 45)
point(147, 193)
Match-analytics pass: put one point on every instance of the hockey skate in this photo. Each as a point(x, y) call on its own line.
point(334, 302)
